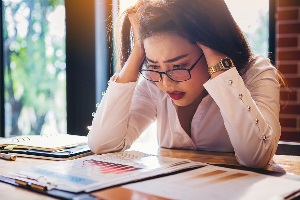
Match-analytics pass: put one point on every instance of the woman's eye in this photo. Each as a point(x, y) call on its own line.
point(153, 67)
point(179, 66)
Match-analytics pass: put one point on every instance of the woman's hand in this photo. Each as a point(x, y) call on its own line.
point(212, 57)
point(130, 70)
point(134, 21)
point(138, 49)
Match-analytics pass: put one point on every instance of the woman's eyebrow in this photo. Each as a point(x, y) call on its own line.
point(176, 58)
point(169, 60)
point(152, 61)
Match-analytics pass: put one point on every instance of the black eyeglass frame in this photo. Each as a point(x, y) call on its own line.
point(166, 72)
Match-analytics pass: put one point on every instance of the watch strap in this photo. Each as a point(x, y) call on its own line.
point(223, 64)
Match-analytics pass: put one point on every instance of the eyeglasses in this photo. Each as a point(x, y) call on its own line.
point(178, 75)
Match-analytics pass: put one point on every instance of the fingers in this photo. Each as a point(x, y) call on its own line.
point(135, 24)
point(212, 56)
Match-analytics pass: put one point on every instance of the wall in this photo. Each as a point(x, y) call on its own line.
point(288, 61)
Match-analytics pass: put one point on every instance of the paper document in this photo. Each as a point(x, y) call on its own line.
point(212, 182)
point(46, 146)
point(100, 171)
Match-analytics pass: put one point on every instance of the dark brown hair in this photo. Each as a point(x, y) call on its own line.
point(208, 22)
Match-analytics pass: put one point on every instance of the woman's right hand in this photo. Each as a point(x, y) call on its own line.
point(130, 71)
point(134, 21)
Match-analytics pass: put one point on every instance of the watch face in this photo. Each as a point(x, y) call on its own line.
point(226, 62)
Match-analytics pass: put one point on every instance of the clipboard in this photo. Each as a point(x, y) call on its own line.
point(42, 189)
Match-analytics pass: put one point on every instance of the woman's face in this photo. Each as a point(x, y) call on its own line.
point(170, 51)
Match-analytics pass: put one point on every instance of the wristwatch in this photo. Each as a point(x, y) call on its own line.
point(223, 64)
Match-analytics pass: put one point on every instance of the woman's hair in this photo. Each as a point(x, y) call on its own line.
point(208, 22)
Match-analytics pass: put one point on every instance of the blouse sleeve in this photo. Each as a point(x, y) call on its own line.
point(250, 109)
point(122, 115)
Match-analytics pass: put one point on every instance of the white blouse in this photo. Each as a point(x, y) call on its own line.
point(240, 114)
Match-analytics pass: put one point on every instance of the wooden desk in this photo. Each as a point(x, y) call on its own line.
point(282, 164)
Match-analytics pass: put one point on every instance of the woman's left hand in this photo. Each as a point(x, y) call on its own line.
point(212, 56)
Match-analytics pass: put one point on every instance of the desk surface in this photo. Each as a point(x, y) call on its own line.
point(281, 163)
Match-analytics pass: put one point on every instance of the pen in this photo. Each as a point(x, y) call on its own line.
point(7, 156)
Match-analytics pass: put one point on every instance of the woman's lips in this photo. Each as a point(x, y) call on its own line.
point(176, 95)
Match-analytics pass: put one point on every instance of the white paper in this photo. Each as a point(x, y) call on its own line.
point(212, 182)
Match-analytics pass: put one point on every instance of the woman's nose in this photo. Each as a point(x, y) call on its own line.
point(167, 81)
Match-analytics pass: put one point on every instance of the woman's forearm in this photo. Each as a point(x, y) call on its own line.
point(130, 71)
point(250, 116)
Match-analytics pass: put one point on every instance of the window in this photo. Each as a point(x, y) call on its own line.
point(34, 66)
point(253, 19)
point(55, 61)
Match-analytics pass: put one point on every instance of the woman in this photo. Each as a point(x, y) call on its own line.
point(200, 82)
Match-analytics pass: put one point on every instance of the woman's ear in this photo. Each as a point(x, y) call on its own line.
point(200, 46)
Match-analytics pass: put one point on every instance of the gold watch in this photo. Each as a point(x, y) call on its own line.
point(223, 64)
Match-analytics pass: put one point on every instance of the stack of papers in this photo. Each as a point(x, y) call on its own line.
point(47, 146)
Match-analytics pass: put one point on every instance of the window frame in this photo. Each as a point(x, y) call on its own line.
point(2, 100)
point(272, 31)
point(84, 61)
